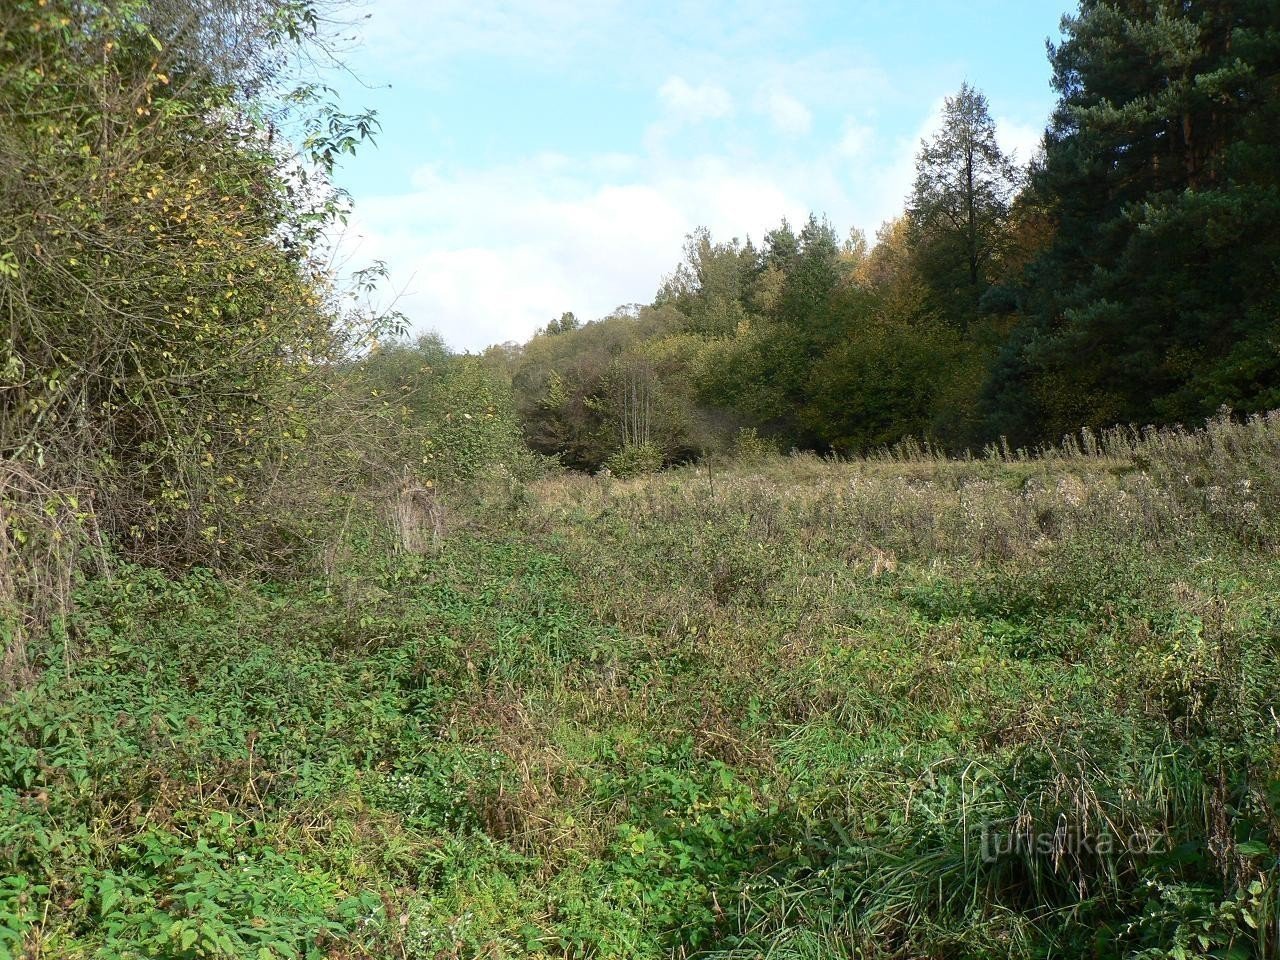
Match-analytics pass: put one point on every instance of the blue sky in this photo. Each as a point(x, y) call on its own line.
point(539, 156)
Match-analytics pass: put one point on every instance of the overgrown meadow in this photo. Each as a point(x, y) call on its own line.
point(776, 707)
point(311, 647)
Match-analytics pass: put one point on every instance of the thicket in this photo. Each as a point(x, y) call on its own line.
point(177, 356)
point(453, 415)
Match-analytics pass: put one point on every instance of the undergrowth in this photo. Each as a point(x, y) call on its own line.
point(793, 709)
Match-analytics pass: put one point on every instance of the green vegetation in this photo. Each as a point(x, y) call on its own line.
point(168, 316)
point(449, 418)
point(792, 707)
point(307, 655)
point(168, 388)
point(1126, 274)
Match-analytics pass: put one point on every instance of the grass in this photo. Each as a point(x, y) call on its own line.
point(900, 707)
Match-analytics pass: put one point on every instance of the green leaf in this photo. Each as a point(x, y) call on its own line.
point(110, 894)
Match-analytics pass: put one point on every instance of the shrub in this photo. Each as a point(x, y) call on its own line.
point(451, 416)
point(171, 324)
point(634, 460)
point(749, 447)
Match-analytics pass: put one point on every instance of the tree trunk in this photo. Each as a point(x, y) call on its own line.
point(973, 218)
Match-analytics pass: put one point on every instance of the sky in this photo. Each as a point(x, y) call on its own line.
point(538, 156)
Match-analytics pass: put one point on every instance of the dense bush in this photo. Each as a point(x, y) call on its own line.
point(634, 460)
point(166, 371)
point(451, 416)
point(167, 311)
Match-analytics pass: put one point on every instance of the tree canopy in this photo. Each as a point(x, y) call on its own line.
point(1129, 273)
point(1157, 300)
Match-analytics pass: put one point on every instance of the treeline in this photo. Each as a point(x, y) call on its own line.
point(1129, 274)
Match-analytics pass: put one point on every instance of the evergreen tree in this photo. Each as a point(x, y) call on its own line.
point(811, 277)
point(1160, 297)
point(960, 202)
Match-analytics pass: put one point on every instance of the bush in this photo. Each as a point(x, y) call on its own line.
point(749, 447)
point(634, 460)
point(451, 416)
point(171, 324)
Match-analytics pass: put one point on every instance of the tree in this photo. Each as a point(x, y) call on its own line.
point(963, 189)
point(708, 286)
point(812, 274)
point(567, 323)
point(451, 415)
point(622, 381)
point(1159, 297)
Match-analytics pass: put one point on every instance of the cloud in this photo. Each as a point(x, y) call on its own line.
point(856, 140)
point(1020, 139)
point(491, 255)
point(706, 101)
point(788, 114)
point(885, 168)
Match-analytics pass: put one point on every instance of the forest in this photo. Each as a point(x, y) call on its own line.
point(1125, 274)
point(894, 598)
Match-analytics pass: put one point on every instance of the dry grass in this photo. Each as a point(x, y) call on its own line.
point(1004, 506)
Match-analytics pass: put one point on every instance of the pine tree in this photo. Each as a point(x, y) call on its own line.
point(1160, 298)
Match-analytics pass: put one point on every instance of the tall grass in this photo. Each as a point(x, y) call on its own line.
point(1064, 657)
point(786, 707)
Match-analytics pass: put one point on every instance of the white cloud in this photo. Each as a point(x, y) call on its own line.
point(887, 173)
point(567, 35)
point(1020, 139)
point(788, 114)
point(706, 101)
point(856, 140)
point(489, 256)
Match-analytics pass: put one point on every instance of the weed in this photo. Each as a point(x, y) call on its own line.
point(800, 708)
